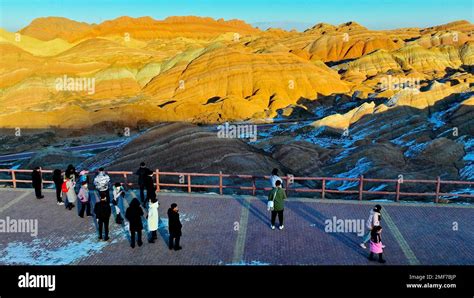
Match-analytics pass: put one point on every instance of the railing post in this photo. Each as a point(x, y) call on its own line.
point(397, 197)
point(323, 189)
point(14, 178)
point(157, 173)
point(253, 186)
point(438, 187)
point(189, 183)
point(125, 179)
point(220, 182)
point(361, 187)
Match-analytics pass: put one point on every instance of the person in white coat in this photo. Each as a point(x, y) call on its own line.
point(374, 220)
point(71, 193)
point(274, 178)
point(119, 194)
point(153, 218)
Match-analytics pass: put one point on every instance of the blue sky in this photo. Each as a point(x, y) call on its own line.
point(374, 14)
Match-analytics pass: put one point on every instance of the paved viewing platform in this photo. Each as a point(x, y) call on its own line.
point(234, 230)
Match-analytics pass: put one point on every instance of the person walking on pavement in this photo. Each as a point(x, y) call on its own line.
point(102, 213)
point(376, 246)
point(374, 220)
point(58, 183)
point(142, 172)
point(119, 194)
point(84, 199)
point(101, 183)
point(153, 218)
point(174, 227)
point(134, 215)
point(37, 182)
point(277, 196)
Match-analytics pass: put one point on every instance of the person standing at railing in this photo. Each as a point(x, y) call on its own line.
point(274, 178)
point(58, 182)
point(142, 172)
point(277, 196)
point(119, 194)
point(37, 182)
point(82, 178)
point(70, 192)
point(374, 220)
point(70, 172)
point(101, 183)
point(150, 188)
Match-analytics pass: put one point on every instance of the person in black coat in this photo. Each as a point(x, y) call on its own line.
point(174, 227)
point(58, 182)
point(142, 173)
point(150, 187)
point(134, 215)
point(71, 170)
point(37, 182)
point(102, 212)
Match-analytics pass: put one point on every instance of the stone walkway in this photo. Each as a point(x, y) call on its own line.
point(226, 230)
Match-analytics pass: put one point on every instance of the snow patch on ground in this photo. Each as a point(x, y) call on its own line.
point(37, 252)
point(244, 263)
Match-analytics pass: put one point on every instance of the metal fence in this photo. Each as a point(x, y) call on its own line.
point(291, 186)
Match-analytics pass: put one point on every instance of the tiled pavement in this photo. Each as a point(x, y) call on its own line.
point(220, 230)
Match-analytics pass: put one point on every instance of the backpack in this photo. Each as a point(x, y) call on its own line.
point(64, 187)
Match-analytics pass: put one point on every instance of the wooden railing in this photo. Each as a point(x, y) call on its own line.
point(186, 183)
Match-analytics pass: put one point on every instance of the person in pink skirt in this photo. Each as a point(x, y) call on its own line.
point(376, 246)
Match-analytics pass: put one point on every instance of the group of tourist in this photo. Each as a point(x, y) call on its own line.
point(66, 187)
point(72, 186)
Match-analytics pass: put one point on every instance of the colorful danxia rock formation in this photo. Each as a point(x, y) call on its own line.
point(62, 73)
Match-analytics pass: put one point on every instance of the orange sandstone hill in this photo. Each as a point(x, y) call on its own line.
point(204, 70)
